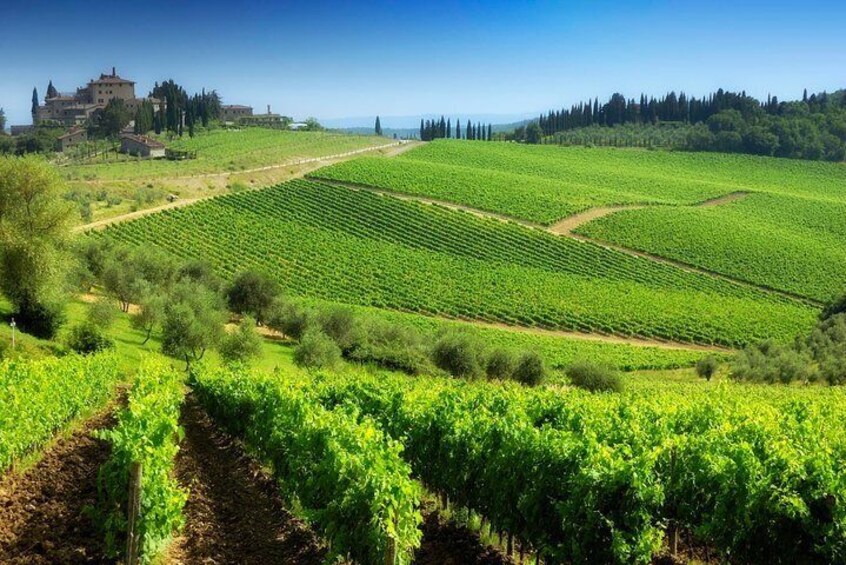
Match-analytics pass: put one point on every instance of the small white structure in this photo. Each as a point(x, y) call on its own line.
point(141, 146)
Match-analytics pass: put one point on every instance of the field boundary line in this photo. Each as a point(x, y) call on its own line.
point(321, 161)
point(725, 199)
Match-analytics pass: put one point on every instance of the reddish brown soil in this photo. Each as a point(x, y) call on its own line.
point(43, 517)
point(234, 512)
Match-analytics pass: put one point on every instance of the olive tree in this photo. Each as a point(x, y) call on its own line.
point(192, 322)
point(35, 226)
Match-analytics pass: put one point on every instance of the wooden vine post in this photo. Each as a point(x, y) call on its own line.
point(391, 552)
point(133, 509)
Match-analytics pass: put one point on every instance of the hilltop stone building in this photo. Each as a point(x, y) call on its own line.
point(79, 108)
point(233, 113)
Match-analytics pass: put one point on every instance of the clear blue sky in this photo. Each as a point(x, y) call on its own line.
point(342, 59)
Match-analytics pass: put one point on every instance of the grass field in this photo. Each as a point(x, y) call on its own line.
point(349, 246)
point(227, 160)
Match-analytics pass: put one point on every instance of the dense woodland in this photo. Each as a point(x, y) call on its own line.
point(811, 128)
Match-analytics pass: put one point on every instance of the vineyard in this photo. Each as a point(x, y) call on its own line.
point(575, 477)
point(220, 151)
point(355, 247)
point(788, 243)
point(545, 183)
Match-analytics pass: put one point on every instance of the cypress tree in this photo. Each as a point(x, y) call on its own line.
point(34, 103)
point(378, 126)
point(490, 128)
point(469, 130)
point(458, 129)
point(421, 130)
point(449, 128)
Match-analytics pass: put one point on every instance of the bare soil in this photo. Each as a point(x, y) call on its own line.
point(446, 543)
point(234, 512)
point(43, 516)
point(570, 224)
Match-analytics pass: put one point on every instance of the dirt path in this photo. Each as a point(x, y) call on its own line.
point(568, 225)
point(234, 512)
point(42, 516)
point(308, 165)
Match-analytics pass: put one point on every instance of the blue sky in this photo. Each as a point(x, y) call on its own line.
point(345, 59)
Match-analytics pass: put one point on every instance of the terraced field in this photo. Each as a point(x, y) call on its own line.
point(356, 247)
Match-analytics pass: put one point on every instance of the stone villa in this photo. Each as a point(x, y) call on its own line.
point(79, 108)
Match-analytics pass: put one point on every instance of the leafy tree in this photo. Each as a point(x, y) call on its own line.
point(114, 117)
point(252, 293)
point(150, 314)
point(192, 323)
point(707, 367)
point(534, 134)
point(311, 124)
point(2, 122)
point(34, 231)
point(242, 345)
point(292, 319)
point(378, 126)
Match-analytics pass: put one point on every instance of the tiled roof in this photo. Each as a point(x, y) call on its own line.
point(143, 140)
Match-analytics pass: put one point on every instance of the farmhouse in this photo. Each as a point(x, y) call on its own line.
point(74, 136)
point(233, 114)
point(141, 146)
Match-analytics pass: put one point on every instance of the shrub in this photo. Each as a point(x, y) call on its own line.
point(707, 367)
point(530, 369)
point(40, 319)
point(317, 350)
point(101, 314)
point(501, 364)
point(342, 326)
point(242, 345)
point(389, 345)
point(594, 378)
point(832, 309)
point(458, 355)
point(769, 362)
point(87, 338)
